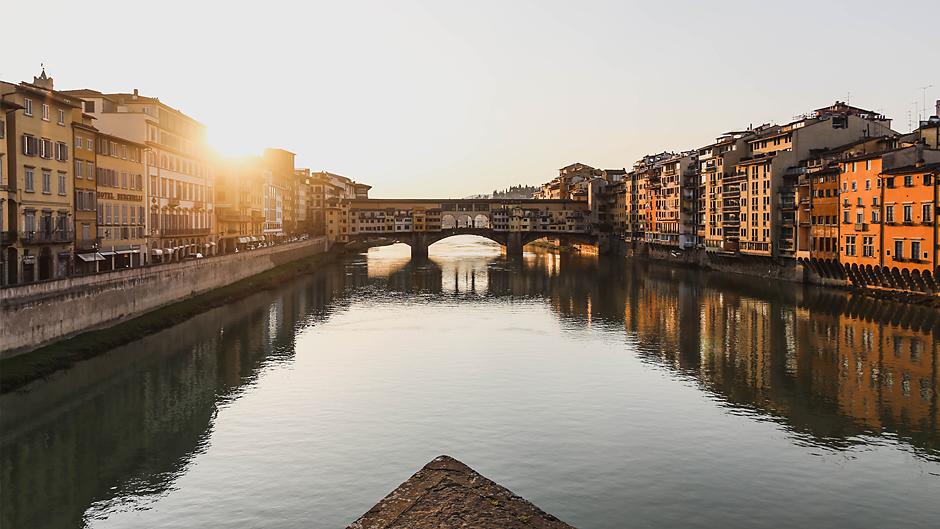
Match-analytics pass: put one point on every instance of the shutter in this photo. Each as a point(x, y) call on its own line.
point(65, 152)
point(26, 145)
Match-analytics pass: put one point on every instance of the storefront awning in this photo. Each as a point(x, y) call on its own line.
point(125, 252)
point(91, 257)
point(156, 251)
point(107, 253)
point(243, 240)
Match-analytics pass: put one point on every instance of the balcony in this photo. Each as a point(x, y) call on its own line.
point(7, 237)
point(173, 202)
point(46, 237)
point(861, 227)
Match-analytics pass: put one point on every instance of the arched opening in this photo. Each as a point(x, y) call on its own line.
point(448, 222)
point(464, 221)
point(481, 221)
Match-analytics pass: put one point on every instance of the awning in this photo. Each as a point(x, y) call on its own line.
point(107, 253)
point(125, 252)
point(156, 251)
point(91, 257)
point(212, 244)
point(243, 240)
point(168, 250)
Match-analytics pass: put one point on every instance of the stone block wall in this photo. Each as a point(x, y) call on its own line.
point(37, 314)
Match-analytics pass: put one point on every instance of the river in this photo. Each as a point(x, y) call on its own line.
point(610, 393)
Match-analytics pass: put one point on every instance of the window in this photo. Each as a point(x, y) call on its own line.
point(867, 185)
point(78, 168)
point(61, 120)
point(889, 213)
point(845, 216)
point(868, 246)
point(61, 183)
point(30, 145)
point(29, 179)
point(874, 216)
point(78, 142)
point(860, 217)
point(89, 170)
point(898, 250)
point(915, 250)
point(908, 180)
point(89, 106)
point(29, 221)
point(89, 144)
point(45, 112)
point(46, 181)
point(854, 184)
point(850, 245)
point(45, 148)
point(926, 214)
point(61, 151)
point(868, 165)
point(908, 213)
point(28, 106)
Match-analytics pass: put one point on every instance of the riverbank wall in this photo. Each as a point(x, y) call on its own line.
point(904, 287)
point(38, 314)
point(699, 258)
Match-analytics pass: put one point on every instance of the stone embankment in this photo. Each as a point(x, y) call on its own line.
point(37, 314)
point(448, 493)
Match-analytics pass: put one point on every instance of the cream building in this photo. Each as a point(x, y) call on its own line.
point(177, 170)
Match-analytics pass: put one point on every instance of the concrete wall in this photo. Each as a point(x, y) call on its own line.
point(37, 314)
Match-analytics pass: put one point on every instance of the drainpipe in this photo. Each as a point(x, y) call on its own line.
point(881, 225)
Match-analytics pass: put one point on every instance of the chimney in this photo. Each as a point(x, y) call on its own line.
point(135, 94)
point(937, 110)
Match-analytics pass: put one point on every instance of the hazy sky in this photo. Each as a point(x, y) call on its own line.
point(448, 99)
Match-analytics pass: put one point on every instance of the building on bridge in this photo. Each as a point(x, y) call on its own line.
point(421, 222)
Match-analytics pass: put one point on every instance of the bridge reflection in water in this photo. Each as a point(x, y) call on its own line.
point(835, 369)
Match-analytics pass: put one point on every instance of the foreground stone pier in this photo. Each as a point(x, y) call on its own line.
point(446, 493)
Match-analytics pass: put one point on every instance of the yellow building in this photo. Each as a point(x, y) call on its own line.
point(7, 235)
point(239, 204)
point(39, 188)
point(122, 203)
point(85, 221)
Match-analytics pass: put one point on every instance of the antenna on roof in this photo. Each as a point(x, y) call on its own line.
point(923, 100)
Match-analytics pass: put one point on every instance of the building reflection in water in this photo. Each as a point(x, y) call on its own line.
point(833, 368)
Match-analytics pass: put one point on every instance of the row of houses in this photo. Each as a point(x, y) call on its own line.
point(835, 186)
point(93, 181)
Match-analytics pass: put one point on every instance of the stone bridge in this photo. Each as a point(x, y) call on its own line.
point(512, 223)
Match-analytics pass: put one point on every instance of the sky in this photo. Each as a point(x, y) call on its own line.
point(449, 99)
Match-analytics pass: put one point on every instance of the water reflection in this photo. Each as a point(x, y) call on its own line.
point(118, 431)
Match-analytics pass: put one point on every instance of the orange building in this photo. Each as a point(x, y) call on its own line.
point(860, 230)
point(910, 195)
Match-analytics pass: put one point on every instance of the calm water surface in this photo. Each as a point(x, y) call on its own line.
point(612, 394)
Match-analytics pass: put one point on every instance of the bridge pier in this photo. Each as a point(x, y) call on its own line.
point(419, 247)
point(514, 245)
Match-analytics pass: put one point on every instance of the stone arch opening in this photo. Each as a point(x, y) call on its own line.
point(448, 222)
point(481, 221)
